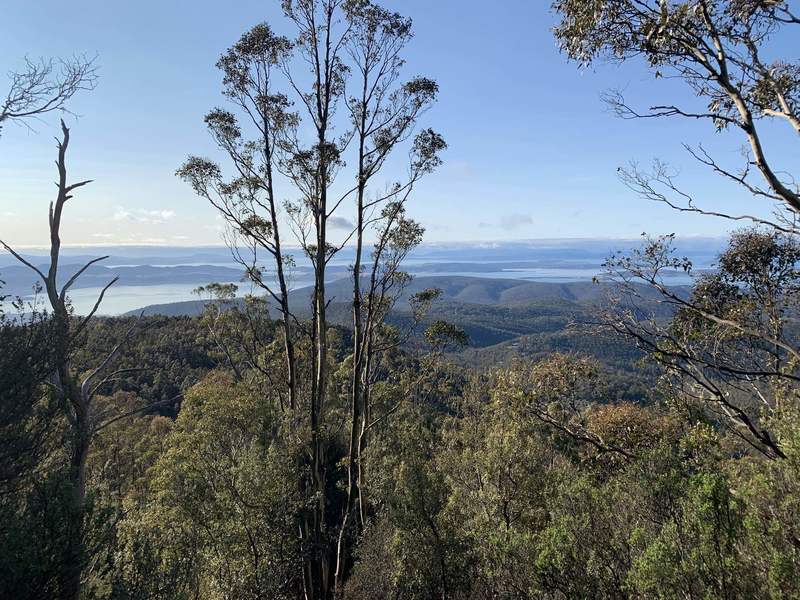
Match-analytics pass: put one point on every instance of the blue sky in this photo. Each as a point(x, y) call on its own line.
point(533, 152)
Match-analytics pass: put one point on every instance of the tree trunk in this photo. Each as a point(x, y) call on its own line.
point(353, 467)
point(73, 559)
point(320, 550)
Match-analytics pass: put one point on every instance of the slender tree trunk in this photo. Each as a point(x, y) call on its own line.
point(318, 459)
point(368, 352)
point(286, 320)
point(286, 317)
point(321, 552)
point(80, 438)
point(366, 417)
point(74, 558)
point(353, 466)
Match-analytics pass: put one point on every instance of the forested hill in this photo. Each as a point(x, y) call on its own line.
point(459, 289)
point(503, 319)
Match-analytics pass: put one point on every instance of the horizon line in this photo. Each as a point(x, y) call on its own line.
point(430, 243)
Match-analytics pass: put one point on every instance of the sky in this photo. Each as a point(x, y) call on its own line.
point(532, 150)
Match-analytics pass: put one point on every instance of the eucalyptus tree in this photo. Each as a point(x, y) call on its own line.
point(248, 202)
point(302, 108)
point(312, 168)
point(384, 111)
point(250, 205)
point(720, 50)
point(731, 349)
point(732, 344)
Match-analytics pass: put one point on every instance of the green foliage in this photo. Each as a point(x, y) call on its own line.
point(619, 501)
point(411, 548)
point(35, 534)
point(29, 348)
point(221, 496)
point(531, 480)
point(441, 334)
point(167, 356)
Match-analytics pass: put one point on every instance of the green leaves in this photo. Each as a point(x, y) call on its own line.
point(442, 335)
point(199, 172)
point(224, 493)
point(223, 125)
point(256, 52)
point(428, 145)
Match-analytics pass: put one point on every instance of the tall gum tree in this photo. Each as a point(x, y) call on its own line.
point(303, 111)
point(384, 111)
point(731, 345)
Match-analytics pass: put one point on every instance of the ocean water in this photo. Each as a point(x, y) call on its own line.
point(125, 298)
point(538, 260)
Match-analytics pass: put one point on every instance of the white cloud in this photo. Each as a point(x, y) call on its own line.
point(508, 222)
point(141, 215)
point(514, 221)
point(144, 241)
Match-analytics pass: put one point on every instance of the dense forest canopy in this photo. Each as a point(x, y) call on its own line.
point(400, 442)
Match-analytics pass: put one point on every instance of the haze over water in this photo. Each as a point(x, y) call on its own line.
point(164, 275)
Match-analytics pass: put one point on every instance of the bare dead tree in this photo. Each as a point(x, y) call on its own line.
point(45, 86)
point(74, 391)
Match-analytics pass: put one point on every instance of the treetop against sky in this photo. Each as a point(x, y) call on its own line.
point(532, 149)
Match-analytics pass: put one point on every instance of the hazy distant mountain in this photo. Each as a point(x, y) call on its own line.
point(460, 290)
point(480, 273)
